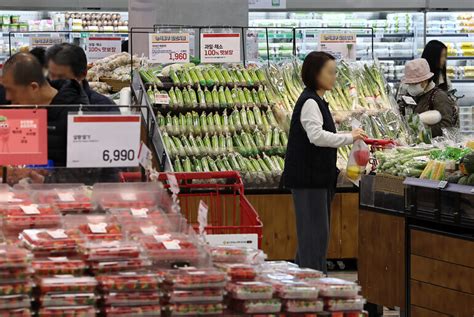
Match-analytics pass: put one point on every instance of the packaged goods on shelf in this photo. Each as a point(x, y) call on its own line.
point(51, 266)
point(172, 248)
point(232, 254)
point(67, 284)
point(204, 295)
point(238, 272)
point(120, 265)
point(20, 217)
point(69, 311)
point(344, 304)
point(67, 299)
point(291, 289)
point(191, 278)
point(14, 302)
point(129, 282)
point(303, 274)
point(256, 306)
point(95, 227)
point(67, 198)
point(303, 305)
point(14, 257)
point(109, 251)
point(50, 241)
point(19, 312)
point(188, 309)
point(16, 287)
point(250, 290)
point(336, 288)
point(135, 298)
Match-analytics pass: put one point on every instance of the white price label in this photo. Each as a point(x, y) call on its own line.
point(30, 209)
point(45, 41)
point(162, 99)
point(161, 237)
point(128, 196)
point(172, 245)
point(145, 157)
point(202, 216)
point(103, 140)
point(58, 259)
point(220, 48)
point(66, 196)
point(139, 212)
point(57, 234)
point(98, 227)
point(101, 47)
point(149, 231)
point(168, 48)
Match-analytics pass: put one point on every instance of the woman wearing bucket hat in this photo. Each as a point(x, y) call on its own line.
point(436, 108)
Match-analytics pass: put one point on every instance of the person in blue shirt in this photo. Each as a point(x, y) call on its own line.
point(68, 61)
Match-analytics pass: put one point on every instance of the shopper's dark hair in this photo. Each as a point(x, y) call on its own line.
point(432, 53)
point(312, 65)
point(40, 54)
point(66, 54)
point(25, 68)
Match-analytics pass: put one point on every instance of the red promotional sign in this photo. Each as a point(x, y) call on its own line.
point(23, 137)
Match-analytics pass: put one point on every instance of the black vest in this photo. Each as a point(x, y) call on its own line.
point(308, 165)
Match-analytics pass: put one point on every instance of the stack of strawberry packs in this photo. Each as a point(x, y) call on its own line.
point(193, 292)
point(15, 282)
point(340, 295)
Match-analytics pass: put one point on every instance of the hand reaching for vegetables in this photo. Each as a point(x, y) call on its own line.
point(358, 134)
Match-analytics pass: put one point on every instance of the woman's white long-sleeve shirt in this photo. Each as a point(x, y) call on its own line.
point(312, 121)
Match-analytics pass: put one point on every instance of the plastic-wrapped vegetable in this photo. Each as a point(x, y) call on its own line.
point(189, 122)
point(215, 144)
point(187, 145)
point(228, 79)
point(169, 145)
point(259, 139)
point(174, 77)
point(203, 122)
point(210, 123)
point(201, 98)
point(253, 146)
point(187, 165)
point(178, 168)
point(238, 144)
point(208, 98)
point(233, 162)
point(209, 81)
point(197, 165)
point(179, 146)
point(205, 164)
point(235, 97)
point(253, 76)
point(213, 76)
point(251, 119)
point(236, 119)
point(240, 77)
point(265, 124)
point(200, 145)
point(222, 143)
point(283, 138)
point(194, 77)
point(276, 138)
point(200, 76)
point(194, 146)
point(217, 122)
point(212, 165)
point(215, 97)
point(196, 123)
point(193, 97)
point(207, 143)
point(245, 121)
point(225, 122)
point(228, 97)
point(226, 163)
point(182, 123)
point(262, 97)
point(222, 99)
point(248, 97)
point(187, 98)
point(246, 142)
point(231, 124)
point(271, 118)
point(220, 165)
point(182, 78)
point(247, 78)
point(255, 97)
point(258, 116)
point(169, 123)
point(173, 100)
point(219, 76)
point(179, 97)
point(268, 140)
point(243, 100)
point(229, 143)
point(175, 127)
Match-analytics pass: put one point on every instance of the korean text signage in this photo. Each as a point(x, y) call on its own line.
point(169, 47)
point(100, 47)
point(103, 140)
point(23, 137)
point(45, 41)
point(220, 48)
point(340, 45)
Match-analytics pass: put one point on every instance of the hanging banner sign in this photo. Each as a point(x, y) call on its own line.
point(100, 47)
point(103, 140)
point(168, 48)
point(45, 41)
point(220, 48)
point(267, 4)
point(23, 137)
point(340, 45)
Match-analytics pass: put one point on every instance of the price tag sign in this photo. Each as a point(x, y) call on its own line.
point(100, 47)
point(103, 140)
point(168, 48)
point(202, 216)
point(220, 48)
point(45, 41)
point(340, 45)
point(30, 209)
point(23, 137)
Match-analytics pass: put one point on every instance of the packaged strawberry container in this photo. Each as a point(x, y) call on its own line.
point(238, 272)
point(257, 306)
point(127, 215)
point(68, 299)
point(232, 254)
point(344, 304)
point(67, 284)
point(129, 195)
point(18, 218)
point(95, 227)
point(129, 282)
point(13, 197)
point(171, 248)
point(303, 273)
point(273, 266)
point(196, 295)
point(131, 298)
point(15, 273)
point(68, 311)
point(194, 309)
point(66, 200)
point(14, 302)
point(58, 266)
point(192, 278)
point(14, 257)
point(16, 287)
point(109, 250)
point(135, 264)
point(335, 287)
point(291, 289)
point(250, 290)
point(19, 312)
point(57, 241)
point(133, 311)
point(303, 305)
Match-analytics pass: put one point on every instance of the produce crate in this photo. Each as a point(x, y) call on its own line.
point(230, 212)
point(116, 85)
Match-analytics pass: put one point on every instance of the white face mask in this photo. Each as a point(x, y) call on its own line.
point(415, 90)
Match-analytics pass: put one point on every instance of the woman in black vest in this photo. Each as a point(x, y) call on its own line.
point(310, 164)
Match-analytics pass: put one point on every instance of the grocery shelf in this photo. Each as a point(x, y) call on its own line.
point(449, 34)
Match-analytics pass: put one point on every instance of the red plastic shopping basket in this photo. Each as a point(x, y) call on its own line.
point(229, 210)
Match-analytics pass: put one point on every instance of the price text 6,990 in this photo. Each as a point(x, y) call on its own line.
point(118, 155)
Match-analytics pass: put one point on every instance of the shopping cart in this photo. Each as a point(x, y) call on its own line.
point(377, 144)
point(230, 212)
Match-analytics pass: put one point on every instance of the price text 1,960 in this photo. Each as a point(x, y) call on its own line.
point(118, 155)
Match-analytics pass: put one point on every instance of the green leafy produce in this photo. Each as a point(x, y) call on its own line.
point(202, 80)
point(208, 97)
point(201, 98)
point(174, 77)
point(220, 76)
point(213, 75)
point(209, 81)
point(228, 97)
point(215, 97)
point(222, 99)
point(179, 97)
